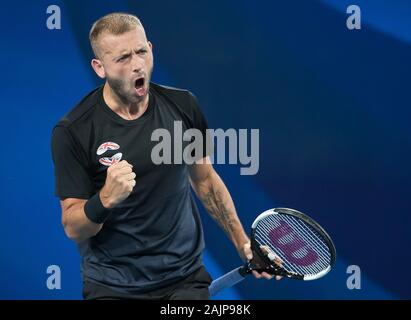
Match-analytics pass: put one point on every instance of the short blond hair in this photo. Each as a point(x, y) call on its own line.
point(115, 23)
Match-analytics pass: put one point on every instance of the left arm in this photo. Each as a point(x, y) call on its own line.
point(213, 193)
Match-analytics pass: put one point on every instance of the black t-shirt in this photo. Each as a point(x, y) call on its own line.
point(154, 237)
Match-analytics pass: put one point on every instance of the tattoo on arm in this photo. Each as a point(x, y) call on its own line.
point(214, 203)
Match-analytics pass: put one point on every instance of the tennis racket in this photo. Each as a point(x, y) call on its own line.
point(287, 243)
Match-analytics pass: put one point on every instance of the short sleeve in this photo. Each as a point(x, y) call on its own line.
point(71, 177)
point(200, 123)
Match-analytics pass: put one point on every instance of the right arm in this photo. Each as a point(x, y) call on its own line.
point(75, 222)
point(118, 186)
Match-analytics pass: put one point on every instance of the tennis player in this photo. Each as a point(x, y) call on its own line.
point(136, 223)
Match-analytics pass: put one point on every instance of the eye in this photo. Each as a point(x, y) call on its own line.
point(122, 58)
point(142, 51)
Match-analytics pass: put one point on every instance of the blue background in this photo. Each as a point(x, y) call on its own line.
point(332, 106)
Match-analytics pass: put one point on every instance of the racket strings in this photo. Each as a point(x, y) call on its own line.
point(297, 234)
point(302, 235)
point(314, 238)
point(315, 242)
point(300, 240)
point(310, 235)
point(287, 264)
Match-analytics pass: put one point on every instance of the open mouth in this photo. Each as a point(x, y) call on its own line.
point(139, 87)
point(139, 83)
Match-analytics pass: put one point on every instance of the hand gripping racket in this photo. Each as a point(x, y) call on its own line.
point(287, 243)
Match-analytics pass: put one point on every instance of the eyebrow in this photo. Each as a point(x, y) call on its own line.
point(121, 55)
point(126, 53)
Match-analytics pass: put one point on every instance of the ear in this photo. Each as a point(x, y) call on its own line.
point(98, 68)
point(150, 45)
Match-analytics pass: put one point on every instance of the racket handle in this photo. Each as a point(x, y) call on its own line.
point(228, 280)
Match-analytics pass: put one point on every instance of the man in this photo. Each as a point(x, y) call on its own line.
point(135, 222)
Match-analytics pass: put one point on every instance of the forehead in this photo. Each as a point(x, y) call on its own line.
point(115, 44)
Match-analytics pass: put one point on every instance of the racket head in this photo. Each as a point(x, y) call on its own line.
point(304, 247)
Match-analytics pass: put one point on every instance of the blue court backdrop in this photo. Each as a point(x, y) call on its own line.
point(332, 106)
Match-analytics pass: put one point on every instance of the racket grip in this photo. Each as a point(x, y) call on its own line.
point(229, 279)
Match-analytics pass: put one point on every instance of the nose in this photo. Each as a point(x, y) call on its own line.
point(137, 63)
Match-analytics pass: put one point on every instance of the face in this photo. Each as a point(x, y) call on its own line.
point(126, 61)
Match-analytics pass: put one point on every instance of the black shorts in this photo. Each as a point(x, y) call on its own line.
point(193, 287)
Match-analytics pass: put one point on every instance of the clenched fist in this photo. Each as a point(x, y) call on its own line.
point(120, 181)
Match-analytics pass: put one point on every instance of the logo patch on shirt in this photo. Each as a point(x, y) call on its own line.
point(108, 161)
point(107, 146)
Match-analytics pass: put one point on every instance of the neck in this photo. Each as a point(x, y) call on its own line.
point(126, 110)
